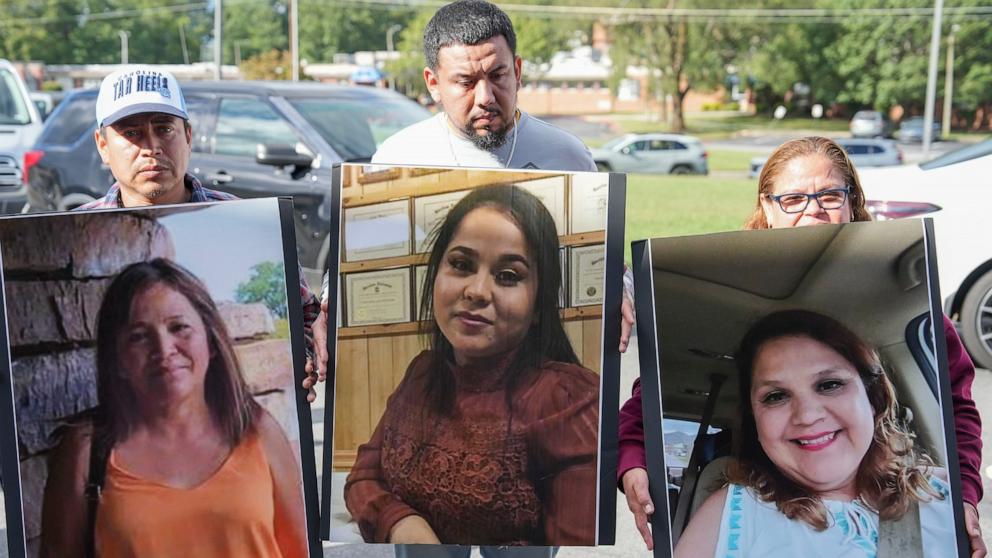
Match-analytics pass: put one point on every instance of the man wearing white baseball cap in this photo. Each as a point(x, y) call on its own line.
point(144, 135)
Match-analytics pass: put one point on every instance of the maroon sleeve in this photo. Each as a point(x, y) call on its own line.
point(631, 451)
point(967, 422)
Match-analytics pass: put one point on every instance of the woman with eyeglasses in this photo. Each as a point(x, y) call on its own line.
point(811, 181)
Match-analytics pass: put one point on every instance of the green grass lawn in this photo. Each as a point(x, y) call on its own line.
point(731, 160)
point(720, 125)
point(680, 205)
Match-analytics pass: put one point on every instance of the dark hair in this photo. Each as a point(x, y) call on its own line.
point(547, 338)
point(226, 392)
point(813, 145)
point(891, 474)
point(466, 22)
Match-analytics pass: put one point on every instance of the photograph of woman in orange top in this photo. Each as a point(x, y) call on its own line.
point(192, 465)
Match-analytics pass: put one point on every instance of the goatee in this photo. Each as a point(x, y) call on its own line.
point(493, 140)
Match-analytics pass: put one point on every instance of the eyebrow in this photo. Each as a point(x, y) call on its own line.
point(825, 372)
point(511, 257)
point(463, 75)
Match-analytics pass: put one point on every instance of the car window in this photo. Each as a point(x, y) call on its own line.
point(676, 145)
point(355, 128)
point(638, 146)
point(201, 112)
point(679, 439)
point(13, 109)
point(243, 123)
point(659, 145)
point(875, 149)
point(856, 149)
point(72, 119)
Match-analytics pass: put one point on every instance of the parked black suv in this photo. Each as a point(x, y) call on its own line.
point(252, 139)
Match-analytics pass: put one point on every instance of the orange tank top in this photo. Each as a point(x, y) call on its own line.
point(229, 514)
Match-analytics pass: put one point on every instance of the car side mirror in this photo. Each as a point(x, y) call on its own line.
point(626, 150)
point(281, 155)
point(42, 109)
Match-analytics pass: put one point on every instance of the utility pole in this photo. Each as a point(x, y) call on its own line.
point(123, 36)
point(949, 82)
point(389, 47)
point(182, 40)
point(294, 37)
point(218, 39)
point(938, 11)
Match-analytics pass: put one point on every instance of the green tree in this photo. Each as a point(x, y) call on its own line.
point(86, 31)
point(882, 61)
point(682, 53)
point(254, 28)
point(972, 69)
point(267, 285)
point(345, 28)
point(798, 52)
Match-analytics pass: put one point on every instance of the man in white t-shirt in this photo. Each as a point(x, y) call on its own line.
point(473, 71)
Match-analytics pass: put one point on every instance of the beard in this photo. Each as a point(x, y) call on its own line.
point(494, 138)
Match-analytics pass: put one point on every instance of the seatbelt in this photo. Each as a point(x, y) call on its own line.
point(901, 538)
point(691, 473)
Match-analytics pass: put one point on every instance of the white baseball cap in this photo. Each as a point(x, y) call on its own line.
point(136, 90)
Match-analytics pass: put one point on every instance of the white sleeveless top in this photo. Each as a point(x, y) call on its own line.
point(753, 528)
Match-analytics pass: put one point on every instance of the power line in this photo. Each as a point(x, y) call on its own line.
point(614, 13)
point(112, 14)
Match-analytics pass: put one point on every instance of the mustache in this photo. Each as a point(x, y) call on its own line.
point(488, 112)
point(160, 164)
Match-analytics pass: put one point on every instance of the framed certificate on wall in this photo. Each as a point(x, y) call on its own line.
point(586, 266)
point(375, 231)
point(377, 297)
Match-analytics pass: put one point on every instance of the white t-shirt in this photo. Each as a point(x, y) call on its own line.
point(752, 528)
point(433, 142)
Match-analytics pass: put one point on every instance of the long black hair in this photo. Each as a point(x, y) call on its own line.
point(546, 339)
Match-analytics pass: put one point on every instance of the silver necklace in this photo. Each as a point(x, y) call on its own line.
point(513, 142)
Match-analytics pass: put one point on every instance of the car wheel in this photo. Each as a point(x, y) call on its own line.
point(976, 321)
point(603, 167)
point(681, 169)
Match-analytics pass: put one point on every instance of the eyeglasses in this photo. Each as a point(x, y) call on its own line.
point(795, 202)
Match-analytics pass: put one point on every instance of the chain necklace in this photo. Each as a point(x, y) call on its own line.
point(513, 142)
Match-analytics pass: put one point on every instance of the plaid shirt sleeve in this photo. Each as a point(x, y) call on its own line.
point(311, 309)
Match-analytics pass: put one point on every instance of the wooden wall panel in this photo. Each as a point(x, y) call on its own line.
point(351, 405)
point(592, 334)
point(381, 368)
point(573, 328)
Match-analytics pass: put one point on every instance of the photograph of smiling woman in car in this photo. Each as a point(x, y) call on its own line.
point(824, 454)
point(806, 358)
point(492, 435)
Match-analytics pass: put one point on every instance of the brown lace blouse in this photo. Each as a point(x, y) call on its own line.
point(477, 476)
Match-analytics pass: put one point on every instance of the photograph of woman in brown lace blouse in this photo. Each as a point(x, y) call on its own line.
point(491, 438)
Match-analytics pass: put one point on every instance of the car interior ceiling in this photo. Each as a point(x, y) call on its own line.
point(709, 289)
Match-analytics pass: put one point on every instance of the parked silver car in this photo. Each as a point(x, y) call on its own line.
point(911, 129)
point(870, 124)
point(653, 153)
point(863, 153)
